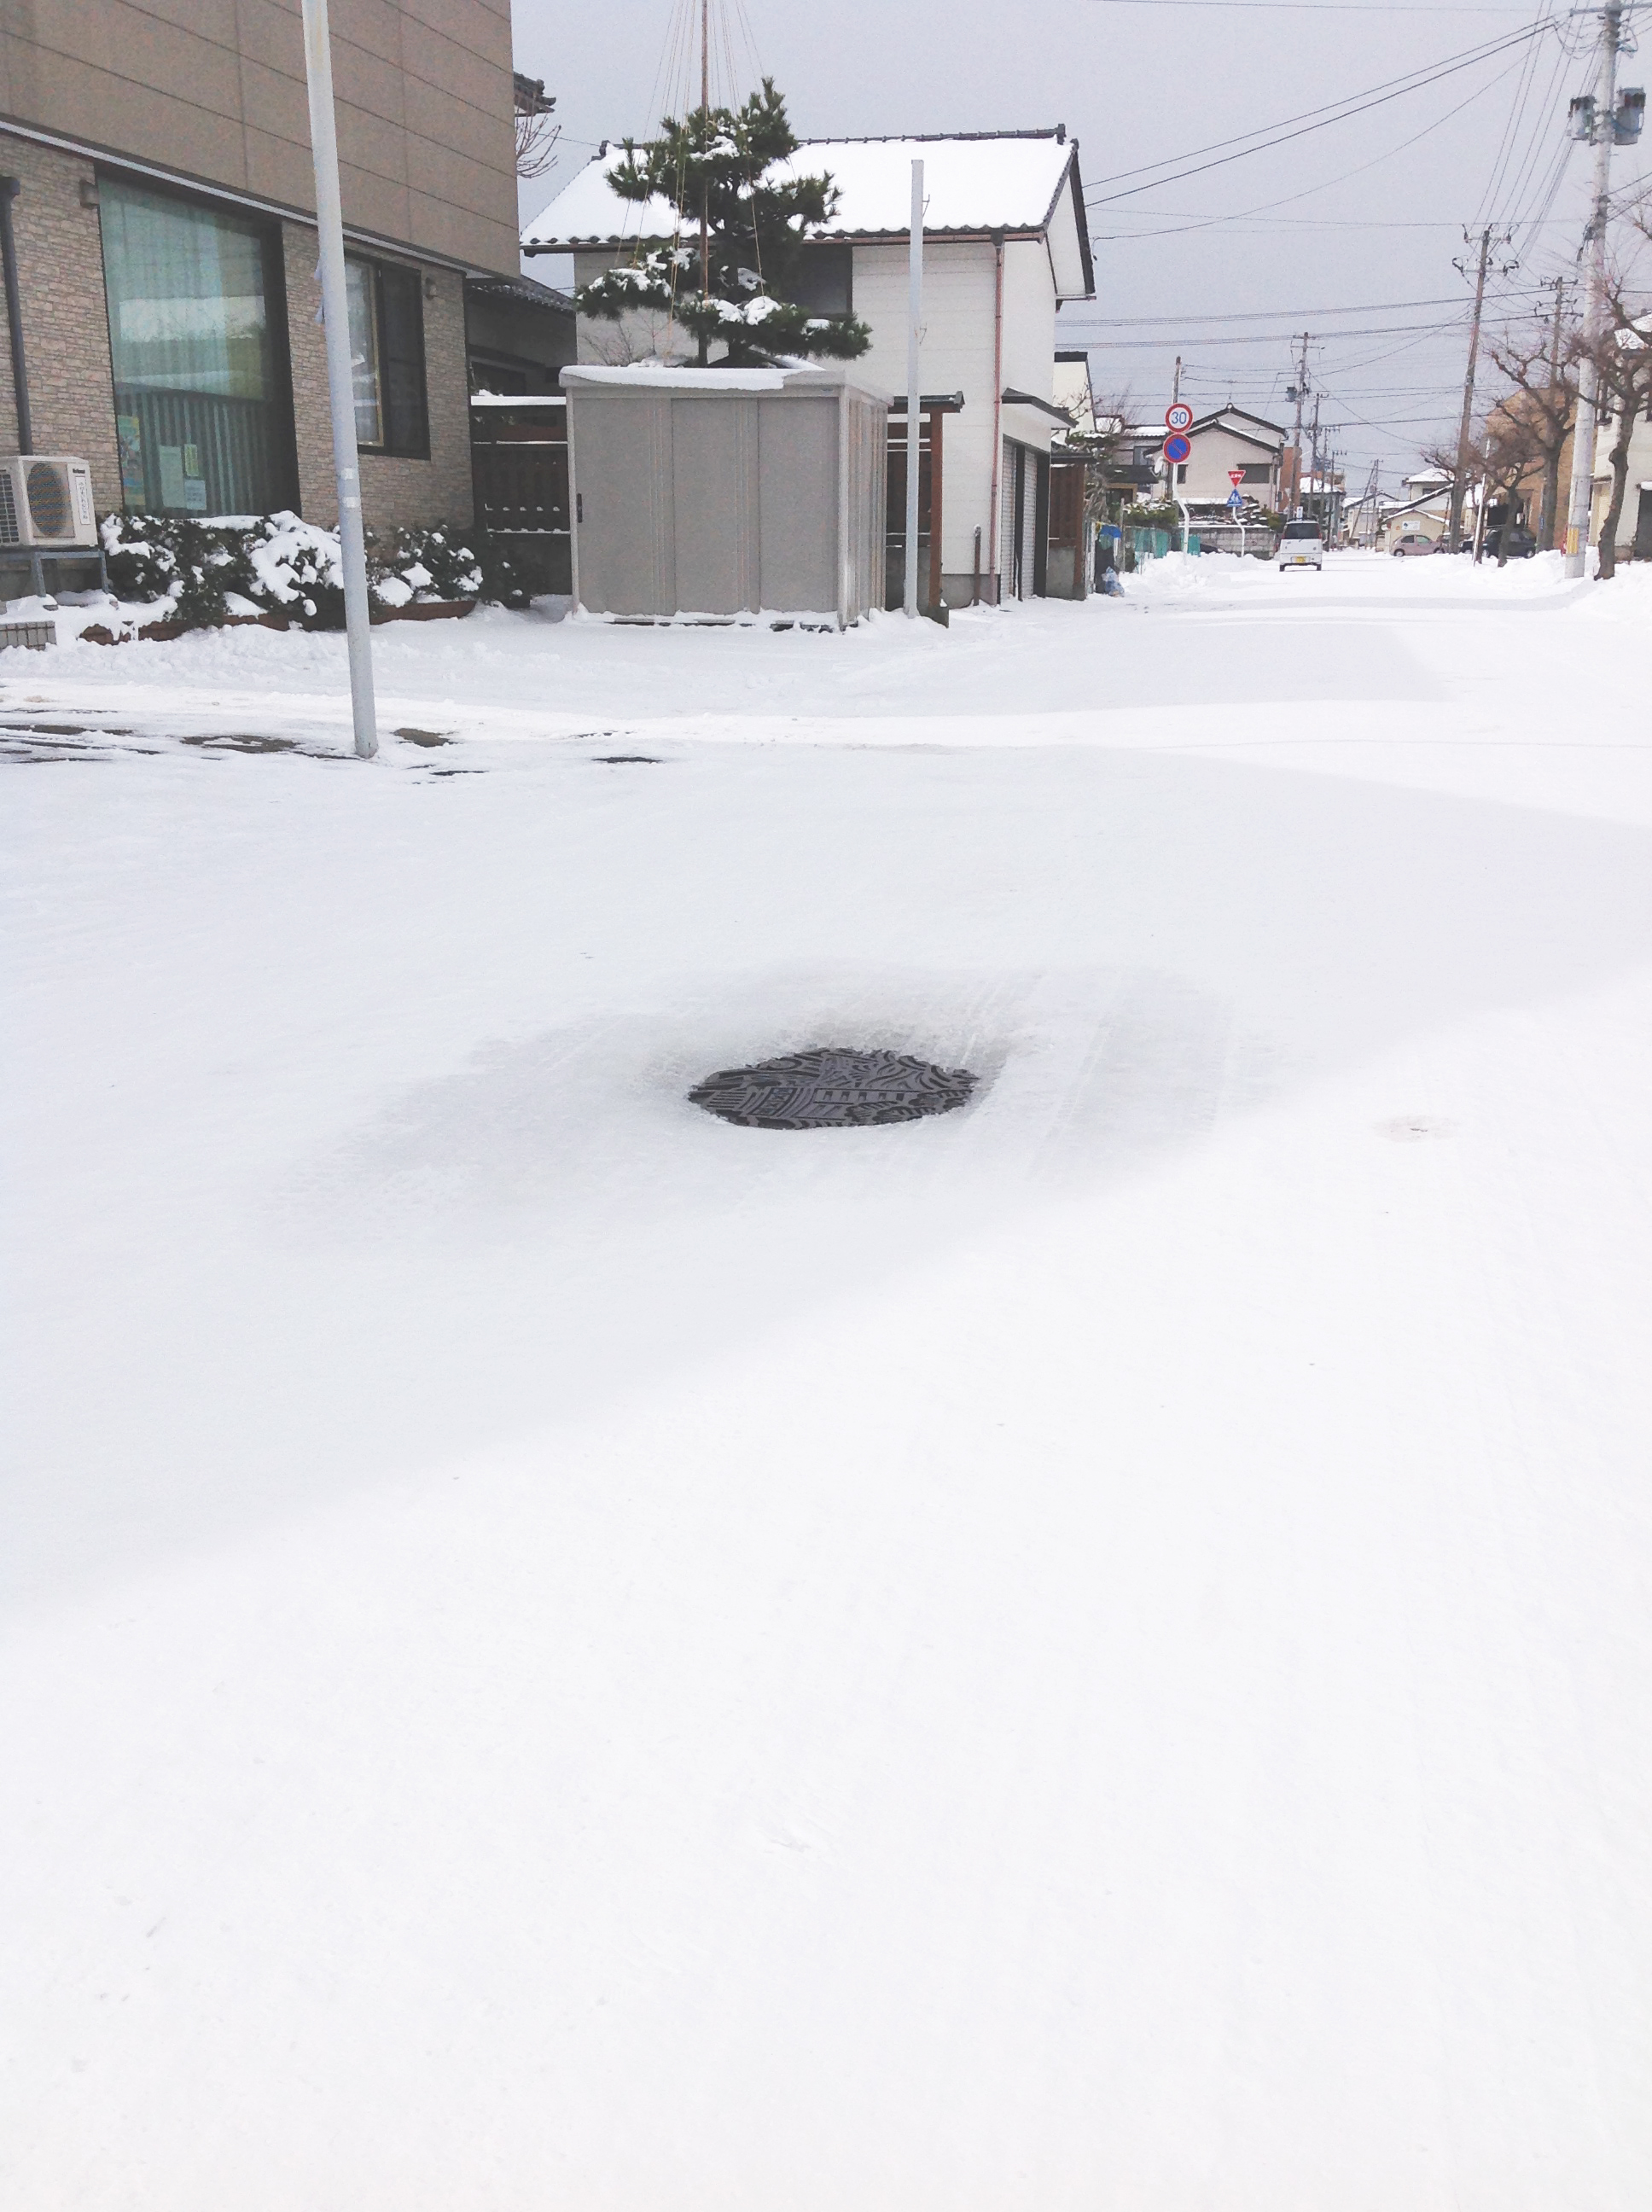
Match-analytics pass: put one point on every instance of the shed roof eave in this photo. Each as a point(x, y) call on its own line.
point(1011, 398)
point(971, 235)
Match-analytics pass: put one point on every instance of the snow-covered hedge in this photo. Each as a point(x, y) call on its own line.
point(209, 572)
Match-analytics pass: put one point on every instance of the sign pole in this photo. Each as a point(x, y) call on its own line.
point(341, 381)
point(1178, 420)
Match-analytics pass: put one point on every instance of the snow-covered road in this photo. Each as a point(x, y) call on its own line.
point(1091, 1655)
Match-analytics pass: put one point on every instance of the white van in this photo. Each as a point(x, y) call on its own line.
point(1302, 545)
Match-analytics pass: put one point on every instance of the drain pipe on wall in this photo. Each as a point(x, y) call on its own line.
point(341, 381)
point(914, 384)
point(9, 188)
point(997, 410)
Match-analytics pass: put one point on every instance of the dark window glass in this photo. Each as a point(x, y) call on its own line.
point(387, 353)
point(824, 281)
point(202, 408)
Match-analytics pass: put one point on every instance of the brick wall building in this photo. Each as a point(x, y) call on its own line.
point(165, 245)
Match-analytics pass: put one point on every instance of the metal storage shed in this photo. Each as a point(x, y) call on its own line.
point(717, 491)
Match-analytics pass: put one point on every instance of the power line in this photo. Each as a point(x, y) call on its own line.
point(1313, 119)
point(1328, 183)
point(1329, 7)
point(1273, 314)
point(1261, 337)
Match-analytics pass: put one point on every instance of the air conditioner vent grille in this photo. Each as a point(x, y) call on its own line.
point(9, 533)
point(48, 500)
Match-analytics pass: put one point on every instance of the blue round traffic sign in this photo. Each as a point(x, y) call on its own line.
point(1177, 448)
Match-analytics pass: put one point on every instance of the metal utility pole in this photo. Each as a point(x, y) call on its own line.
point(1459, 474)
point(1600, 122)
point(915, 320)
point(341, 379)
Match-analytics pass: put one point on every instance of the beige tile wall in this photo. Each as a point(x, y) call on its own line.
point(60, 273)
point(216, 89)
point(66, 324)
point(393, 491)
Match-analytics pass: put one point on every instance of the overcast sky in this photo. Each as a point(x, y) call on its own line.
point(1351, 216)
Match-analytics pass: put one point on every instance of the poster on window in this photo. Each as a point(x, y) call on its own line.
point(128, 433)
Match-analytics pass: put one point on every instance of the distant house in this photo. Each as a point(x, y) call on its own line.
point(1230, 443)
point(1422, 509)
point(1005, 243)
point(520, 334)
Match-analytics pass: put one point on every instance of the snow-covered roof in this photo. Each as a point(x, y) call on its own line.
point(1225, 416)
point(1014, 182)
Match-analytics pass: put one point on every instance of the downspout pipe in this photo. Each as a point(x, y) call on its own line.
point(9, 188)
point(998, 411)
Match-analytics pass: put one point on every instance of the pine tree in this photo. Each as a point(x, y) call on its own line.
point(714, 168)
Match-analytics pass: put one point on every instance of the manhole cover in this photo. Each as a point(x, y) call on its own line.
point(833, 1088)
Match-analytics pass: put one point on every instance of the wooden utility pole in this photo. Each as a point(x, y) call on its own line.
point(1299, 394)
point(705, 112)
point(1550, 500)
point(1459, 474)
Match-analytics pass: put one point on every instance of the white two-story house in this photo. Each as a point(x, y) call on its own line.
point(1005, 243)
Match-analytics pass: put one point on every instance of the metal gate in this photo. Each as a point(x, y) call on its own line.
point(519, 459)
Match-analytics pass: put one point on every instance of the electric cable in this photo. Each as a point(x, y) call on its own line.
point(1311, 119)
point(1327, 184)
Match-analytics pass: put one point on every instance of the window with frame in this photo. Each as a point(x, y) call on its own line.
point(196, 303)
point(824, 280)
point(386, 313)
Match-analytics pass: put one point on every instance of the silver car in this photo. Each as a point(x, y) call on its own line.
point(1413, 542)
point(1302, 545)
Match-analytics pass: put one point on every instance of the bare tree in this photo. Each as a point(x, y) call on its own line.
point(1545, 378)
point(1623, 363)
point(536, 134)
point(1498, 460)
point(1106, 449)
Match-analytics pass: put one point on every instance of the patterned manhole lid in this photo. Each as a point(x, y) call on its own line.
point(833, 1088)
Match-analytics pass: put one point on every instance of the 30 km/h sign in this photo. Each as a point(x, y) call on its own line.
point(1179, 417)
point(1176, 447)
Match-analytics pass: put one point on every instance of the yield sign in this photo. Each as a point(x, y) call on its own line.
point(1236, 478)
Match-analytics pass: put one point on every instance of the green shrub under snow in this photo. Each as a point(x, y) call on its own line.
point(422, 563)
point(208, 572)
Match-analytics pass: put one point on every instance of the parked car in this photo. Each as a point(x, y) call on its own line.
point(1302, 545)
point(1413, 543)
point(1509, 543)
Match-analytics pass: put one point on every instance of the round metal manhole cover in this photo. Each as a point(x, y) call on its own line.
point(833, 1089)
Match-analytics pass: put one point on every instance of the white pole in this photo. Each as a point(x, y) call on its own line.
point(914, 317)
point(1582, 442)
point(341, 382)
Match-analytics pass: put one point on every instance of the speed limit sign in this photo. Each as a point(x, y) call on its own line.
point(1179, 417)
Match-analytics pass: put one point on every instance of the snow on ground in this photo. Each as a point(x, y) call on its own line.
point(1093, 1652)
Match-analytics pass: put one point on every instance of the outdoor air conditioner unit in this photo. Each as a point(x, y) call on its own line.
point(46, 503)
